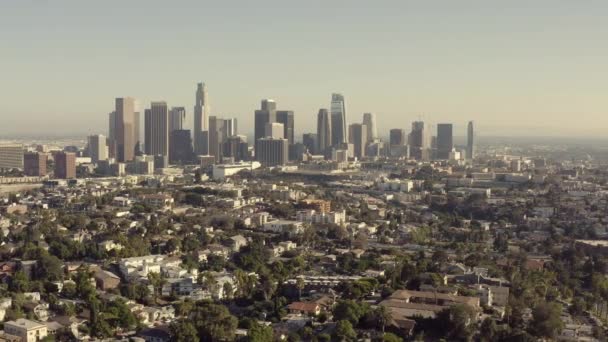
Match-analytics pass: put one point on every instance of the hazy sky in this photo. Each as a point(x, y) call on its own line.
point(515, 67)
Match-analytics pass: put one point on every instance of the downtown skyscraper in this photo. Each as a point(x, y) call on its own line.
point(201, 120)
point(419, 140)
point(339, 132)
point(177, 115)
point(286, 117)
point(157, 129)
point(324, 131)
point(445, 140)
point(358, 137)
point(97, 147)
point(369, 120)
point(470, 141)
point(123, 130)
point(263, 116)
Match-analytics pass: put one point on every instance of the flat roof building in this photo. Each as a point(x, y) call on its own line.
point(34, 164)
point(65, 165)
point(11, 156)
point(27, 330)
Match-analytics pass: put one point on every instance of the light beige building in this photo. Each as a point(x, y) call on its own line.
point(11, 156)
point(125, 129)
point(29, 331)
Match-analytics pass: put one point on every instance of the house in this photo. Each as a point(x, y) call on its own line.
point(304, 308)
point(178, 286)
point(284, 226)
point(105, 280)
point(141, 266)
point(237, 242)
point(27, 330)
point(312, 216)
point(53, 327)
point(5, 304)
point(156, 314)
point(156, 334)
point(159, 201)
point(425, 304)
point(109, 245)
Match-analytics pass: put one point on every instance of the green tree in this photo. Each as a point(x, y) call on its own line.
point(546, 320)
point(349, 310)
point(488, 330)
point(383, 316)
point(259, 333)
point(344, 331)
point(456, 322)
point(213, 322)
point(390, 337)
point(300, 286)
point(157, 280)
point(49, 268)
point(183, 331)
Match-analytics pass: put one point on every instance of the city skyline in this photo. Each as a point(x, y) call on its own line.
point(464, 67)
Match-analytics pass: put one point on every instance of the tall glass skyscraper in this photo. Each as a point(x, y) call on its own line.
point(339, 132)
point(324, 139)
point(445, 140)
point(470, 141)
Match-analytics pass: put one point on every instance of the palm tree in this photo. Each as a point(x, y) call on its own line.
point(300, 286)
point(157, 280)
point(383, 314)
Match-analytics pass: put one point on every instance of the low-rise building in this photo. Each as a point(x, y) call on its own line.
point(27, 330)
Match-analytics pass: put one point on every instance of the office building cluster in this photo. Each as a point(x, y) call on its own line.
point(164, 140)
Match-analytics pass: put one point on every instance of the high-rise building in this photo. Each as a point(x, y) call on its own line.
point(369, 120)
point(201, 118)
point(236, 147)
point(125, 129)
point(339, 134)
point(11, 156)
point(398, 143)
point(419, 141)
point(97, 147)
point(65, 165)
point(266, 114)
point(324, 132)
point(230, 128)
point(112, 126)
point(470, 141)
point(34, 164)
point(376, 149)
point(358, 137)
point(136, 129)
point(272, 152)
point(397, 137)
point(275, 130)
point(219, 131)
point(311, 142)
point(445, 140)
point(180, 149)
point(157, 129)
point(177, 115)
point(216, 135)
point(287, 119)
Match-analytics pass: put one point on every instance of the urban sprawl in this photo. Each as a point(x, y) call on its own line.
point(343, 235)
